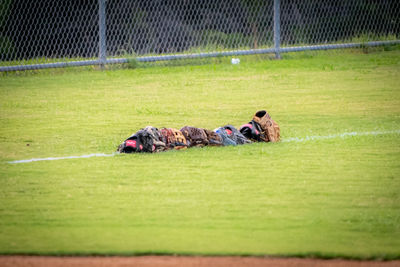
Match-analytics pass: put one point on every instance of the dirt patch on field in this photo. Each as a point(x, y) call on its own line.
point(169, 261)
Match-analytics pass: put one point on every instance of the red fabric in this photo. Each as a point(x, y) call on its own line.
point(131, 143)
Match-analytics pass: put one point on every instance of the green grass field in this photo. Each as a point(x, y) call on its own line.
point(334, 197)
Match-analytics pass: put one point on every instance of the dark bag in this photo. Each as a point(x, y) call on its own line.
point(226, 136)
point(253, 131)
point(153, 139)
point(131, 145)
point(145, 140)
point(236, 135)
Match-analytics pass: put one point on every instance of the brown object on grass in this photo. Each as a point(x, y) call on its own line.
point(195, 136)
point(173, 138)
point(269, 126)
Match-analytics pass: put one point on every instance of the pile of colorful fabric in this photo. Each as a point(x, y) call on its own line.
point(151, 140)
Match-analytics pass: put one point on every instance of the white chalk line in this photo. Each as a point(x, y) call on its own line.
point(290, 139)
point(342, 135)
point(58, 158)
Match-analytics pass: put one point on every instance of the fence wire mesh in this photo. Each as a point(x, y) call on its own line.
point(159, 27)
point(327, 21)
point(46, 31)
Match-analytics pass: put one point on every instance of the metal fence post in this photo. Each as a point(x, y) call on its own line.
point(102, 32)
point(277, 28)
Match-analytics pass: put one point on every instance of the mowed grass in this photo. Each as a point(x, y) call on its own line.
point(337, 197)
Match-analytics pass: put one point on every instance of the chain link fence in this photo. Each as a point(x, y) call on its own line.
point(47, 33)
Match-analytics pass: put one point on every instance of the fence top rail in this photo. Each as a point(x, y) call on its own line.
point(195, 55)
